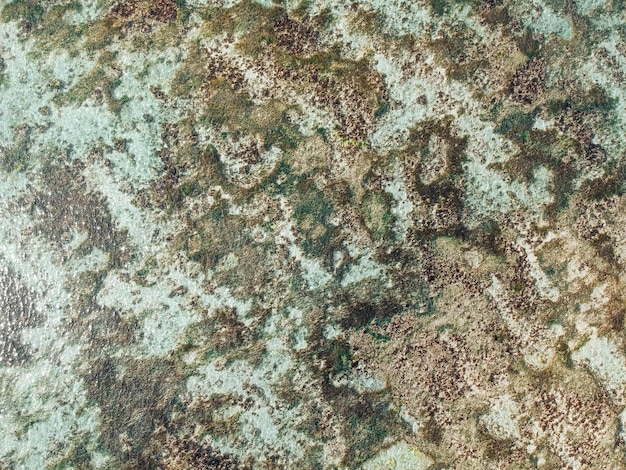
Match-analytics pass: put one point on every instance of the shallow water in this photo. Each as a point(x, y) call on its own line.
point(378, 235)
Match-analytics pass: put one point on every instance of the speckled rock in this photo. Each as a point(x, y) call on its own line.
point(264, 235)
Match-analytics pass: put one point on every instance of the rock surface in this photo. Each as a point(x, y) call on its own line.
point(261, 235)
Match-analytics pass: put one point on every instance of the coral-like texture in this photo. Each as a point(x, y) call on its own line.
point(292, 234)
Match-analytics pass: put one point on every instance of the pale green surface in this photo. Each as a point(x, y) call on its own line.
point(400, 456)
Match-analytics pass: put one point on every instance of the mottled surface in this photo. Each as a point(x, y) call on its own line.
point(311, 235)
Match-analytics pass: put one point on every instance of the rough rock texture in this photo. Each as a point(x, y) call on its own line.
point(261, 235)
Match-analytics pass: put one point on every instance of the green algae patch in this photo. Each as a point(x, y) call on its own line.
point(247, 17)
point(222, 103)
point(55, 32)
point(443, 7)
point(312, 211)
point(339, 357)
point(283, 180)
point(226, 107)
point(17, 158)
point(377, 215)
point(214, 237)
point(370, 423)
point(98, 84)
point(191, 74)
point(29, 11)
point(452, 52)
point(434, 161)
point(517, 125)
point(49, 26)
point(148, 393)
point(364, 314)
point(594, 99)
